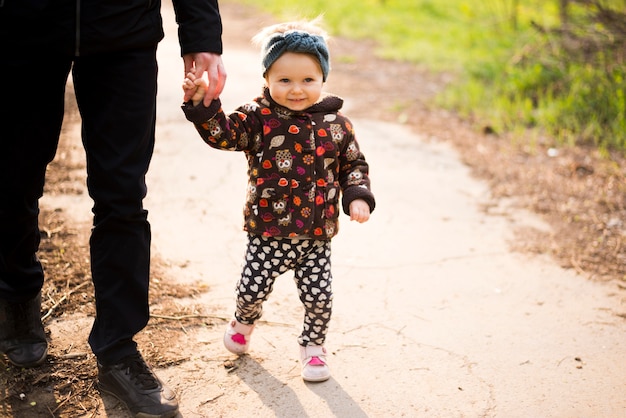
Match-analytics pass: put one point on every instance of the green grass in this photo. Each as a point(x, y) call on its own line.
point(443, 34)
point(507, 75)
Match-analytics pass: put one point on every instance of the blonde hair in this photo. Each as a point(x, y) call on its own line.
point(313, 27)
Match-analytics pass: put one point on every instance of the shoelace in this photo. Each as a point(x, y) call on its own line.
point(138, 371)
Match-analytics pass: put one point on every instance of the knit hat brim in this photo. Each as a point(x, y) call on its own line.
point(296, 41)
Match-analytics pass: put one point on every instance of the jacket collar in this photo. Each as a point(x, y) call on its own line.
point(328, 103)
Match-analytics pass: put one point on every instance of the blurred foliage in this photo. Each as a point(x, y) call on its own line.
point(570, 79)
point(553, 67)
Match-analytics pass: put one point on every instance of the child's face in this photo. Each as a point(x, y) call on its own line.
point(295, 80)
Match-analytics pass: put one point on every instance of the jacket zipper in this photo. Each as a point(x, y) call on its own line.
point(312, 148)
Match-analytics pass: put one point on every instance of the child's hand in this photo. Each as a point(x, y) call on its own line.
point(197, 85)
point(359, 211)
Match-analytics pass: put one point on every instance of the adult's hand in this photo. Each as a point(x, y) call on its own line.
point(200, 62)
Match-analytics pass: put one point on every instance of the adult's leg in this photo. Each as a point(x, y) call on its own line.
point(32, 114)
point(116, 95)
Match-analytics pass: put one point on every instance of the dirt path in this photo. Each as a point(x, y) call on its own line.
point(434, 314)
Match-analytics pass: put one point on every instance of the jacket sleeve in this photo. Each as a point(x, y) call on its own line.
point(237, 131)
point(199, 26)
point(354, 173)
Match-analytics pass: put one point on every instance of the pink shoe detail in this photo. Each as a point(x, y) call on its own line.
point(315, 361)
point(239, 339)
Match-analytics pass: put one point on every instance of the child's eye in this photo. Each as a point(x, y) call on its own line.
point(308, 80)
point(284, 80)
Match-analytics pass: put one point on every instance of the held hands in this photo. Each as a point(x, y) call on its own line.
point(200, 62)
point(359, 211)
point(195, 88)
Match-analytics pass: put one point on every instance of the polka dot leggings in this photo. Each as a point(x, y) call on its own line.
point(269, 257)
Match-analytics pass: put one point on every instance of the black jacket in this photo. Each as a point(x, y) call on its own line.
point(84, 27)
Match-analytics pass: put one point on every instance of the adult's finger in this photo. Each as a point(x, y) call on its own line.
point(217, 80)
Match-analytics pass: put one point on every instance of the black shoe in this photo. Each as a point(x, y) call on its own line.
point(132, 382)
point(22, 337)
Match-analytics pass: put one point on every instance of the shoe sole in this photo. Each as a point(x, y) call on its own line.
point(316, 380)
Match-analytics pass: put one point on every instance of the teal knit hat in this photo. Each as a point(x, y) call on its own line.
point(296, 41)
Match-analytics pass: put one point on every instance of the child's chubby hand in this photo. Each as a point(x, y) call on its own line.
point(359, 211)
point(197, 85)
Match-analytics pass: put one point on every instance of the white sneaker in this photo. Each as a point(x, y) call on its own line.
point(313, 360)
point(237, 337)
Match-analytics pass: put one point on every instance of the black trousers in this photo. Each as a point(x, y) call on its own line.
point(116, 96)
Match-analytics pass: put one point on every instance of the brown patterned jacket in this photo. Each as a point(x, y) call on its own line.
point(299, 163)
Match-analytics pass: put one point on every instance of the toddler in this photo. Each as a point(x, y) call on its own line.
point(304, 166)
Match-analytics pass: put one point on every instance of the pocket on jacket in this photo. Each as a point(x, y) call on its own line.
point(274, 197)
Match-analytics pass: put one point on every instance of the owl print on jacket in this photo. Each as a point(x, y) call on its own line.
point(284, 160)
